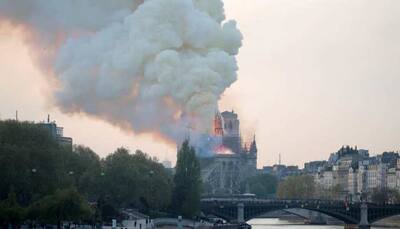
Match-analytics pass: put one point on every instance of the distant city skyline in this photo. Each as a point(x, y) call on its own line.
point(313, 76)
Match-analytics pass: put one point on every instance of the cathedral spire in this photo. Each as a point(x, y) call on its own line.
point(253, 146)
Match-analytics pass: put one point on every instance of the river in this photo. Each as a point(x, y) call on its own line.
point(275, 223)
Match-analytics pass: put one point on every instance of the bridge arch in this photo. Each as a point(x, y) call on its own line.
point(255, 213)
point(244, 209)
point(383, 218)
point(233, 216)
point(229, 211)
point(343, 219)
point(376, 213)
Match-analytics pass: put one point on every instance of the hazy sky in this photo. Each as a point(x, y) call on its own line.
point(314, 75)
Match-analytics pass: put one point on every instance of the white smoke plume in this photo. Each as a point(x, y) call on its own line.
point(156, 66)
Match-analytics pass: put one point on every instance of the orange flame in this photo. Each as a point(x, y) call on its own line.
point(223, 150)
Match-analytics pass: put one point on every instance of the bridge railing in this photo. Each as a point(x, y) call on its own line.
point(255, 200)
point(272, 200)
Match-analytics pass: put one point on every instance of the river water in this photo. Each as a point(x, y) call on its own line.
point(275, 223)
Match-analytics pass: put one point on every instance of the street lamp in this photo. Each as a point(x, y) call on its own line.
point(151, 173)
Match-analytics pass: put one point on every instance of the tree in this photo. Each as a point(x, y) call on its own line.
point(31, 160)
point(105, 211)
point(157, 182)
point(187, 180)
point(10, 211)
point(331, 193)
point(63, 205)
point(296, 187)
point(136, 180)
point(385, 196)
point(263, 185)
point(34, 165)
point(86, 171)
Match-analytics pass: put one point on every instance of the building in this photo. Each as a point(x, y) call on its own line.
point(376, 176)
point(267, 170)
point(344, 168)
point(398, 175)
point(392, 178)
point(341, 171)
point(281, 171)
point(325, 179)
point(57, 132)
point(232, 162)
point(372, 174)
point(314, 166)
point(353, 182)
point(354, 172)
point(362, 177)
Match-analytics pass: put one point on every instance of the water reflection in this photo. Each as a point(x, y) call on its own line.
point(275, 223)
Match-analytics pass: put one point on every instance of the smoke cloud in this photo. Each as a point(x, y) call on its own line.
point(157, 66)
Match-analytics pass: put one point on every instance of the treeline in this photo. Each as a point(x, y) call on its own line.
point(43, 181)
point(291, 187)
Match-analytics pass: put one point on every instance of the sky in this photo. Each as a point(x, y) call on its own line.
point(313, 75)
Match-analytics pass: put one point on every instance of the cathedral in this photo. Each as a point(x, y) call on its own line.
point(227, 170)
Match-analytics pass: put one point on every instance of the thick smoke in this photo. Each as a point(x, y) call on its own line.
point(156, 66)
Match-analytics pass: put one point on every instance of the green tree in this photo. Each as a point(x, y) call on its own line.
point(32, 161)
point(105, 211)
point(34, 166)
point(263, 185)
point(296, 187)
point(385, 195)
point(157, 181)
point(120, 181)
point(85, 171)
point(331, 193)
point(136, 180)
point(63, 205)
point(187, 180)
point(10, 211)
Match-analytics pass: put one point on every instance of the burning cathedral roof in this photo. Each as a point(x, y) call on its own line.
point(225, 138)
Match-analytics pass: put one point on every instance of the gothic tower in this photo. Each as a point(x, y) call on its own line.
point(231, 138)
point(253, 146)
point(218, 128)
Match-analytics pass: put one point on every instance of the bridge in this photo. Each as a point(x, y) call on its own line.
point(243, 209)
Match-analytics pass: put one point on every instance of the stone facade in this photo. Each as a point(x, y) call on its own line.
point(353, 181)
point(354, 172)
point(325, 179)
point(226, 173)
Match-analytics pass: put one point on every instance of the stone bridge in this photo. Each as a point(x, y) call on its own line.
point(244, 209)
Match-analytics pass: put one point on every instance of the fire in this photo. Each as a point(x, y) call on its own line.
point(223, 150)
point(218, 127)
